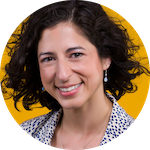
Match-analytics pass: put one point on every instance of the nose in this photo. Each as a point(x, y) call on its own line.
point(64, 71)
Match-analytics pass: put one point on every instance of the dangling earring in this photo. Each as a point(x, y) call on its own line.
point(43, 89)
point(105, 78)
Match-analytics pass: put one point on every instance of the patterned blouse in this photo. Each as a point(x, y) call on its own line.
point(43, 127)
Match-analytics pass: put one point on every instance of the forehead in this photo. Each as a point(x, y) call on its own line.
point(60, 35)
point(67, 27)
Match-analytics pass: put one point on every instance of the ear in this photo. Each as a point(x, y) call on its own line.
point(106, 63)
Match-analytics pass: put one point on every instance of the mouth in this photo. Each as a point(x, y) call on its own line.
point(69, 91)
point(70, 88)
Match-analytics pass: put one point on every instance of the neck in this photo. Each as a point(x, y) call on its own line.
point(87, 118)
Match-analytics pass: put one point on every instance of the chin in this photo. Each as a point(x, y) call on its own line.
point(70, 104)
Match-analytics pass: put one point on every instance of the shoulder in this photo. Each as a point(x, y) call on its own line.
point(118, 113)
point(30, 125)
point(119, 122)
point(120, 116)
point(43, 127)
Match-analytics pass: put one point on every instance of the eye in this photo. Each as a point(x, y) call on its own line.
point(76, 55)
point(47, 59)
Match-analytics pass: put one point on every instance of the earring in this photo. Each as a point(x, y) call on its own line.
point(43, 89)
point(105, 78)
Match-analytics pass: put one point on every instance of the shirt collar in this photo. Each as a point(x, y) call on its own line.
point(47, 131)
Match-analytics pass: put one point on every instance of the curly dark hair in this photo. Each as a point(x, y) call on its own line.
point(109, 37)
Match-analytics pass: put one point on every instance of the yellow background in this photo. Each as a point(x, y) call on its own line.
point(132, 102)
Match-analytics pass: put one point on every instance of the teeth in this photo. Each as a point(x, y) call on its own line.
point(70, 88)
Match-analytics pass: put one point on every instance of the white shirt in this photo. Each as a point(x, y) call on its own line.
point(43, 127)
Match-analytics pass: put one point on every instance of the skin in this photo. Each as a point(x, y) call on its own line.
point(67, 58)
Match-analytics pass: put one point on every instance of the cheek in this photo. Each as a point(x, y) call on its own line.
point(47, 75)
point(93, 68)
point(91, 74)
point(95, 72)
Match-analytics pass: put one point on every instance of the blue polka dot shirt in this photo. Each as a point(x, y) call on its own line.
point(43, 127)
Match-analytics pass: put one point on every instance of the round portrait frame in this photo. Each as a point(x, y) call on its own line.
point(127, 101)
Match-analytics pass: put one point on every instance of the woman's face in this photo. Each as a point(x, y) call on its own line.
point(70, 68)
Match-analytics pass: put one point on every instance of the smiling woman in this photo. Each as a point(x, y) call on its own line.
point(72, 58)
point(64, 63)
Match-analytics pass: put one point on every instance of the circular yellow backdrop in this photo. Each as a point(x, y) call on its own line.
point(131, 102)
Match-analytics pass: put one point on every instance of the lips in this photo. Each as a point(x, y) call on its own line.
point(67, 86)
point(69, 90)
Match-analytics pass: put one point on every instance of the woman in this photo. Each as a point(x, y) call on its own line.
point(65, 57)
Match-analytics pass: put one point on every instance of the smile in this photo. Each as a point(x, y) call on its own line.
point(70, 91)
point(70, 88)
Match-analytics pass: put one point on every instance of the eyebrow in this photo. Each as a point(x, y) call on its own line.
point(67, 51)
